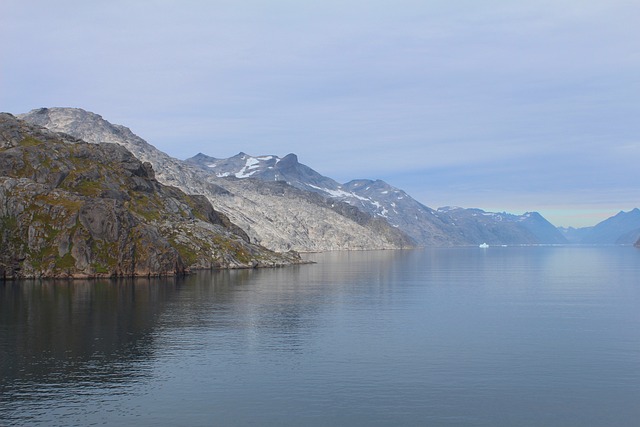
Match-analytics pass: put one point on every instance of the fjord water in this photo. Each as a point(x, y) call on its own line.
point(524, 336)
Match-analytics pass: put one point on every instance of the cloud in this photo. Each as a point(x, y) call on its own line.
point(534, 101)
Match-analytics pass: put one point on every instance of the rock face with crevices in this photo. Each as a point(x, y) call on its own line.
point(73, 209)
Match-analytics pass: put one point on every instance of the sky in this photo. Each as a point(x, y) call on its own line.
point(502, 105)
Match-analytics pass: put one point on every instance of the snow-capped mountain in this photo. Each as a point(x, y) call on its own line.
point(269, 168)
point(427, 226)
point(376, 198)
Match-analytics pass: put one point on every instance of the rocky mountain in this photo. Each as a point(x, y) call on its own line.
point(446, 226)
point(622, 228)
point(377, 198)
point(267, 168)
point(73, 209)
point(272, 213)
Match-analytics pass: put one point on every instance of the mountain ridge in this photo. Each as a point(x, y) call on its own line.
point(271, 215)
point(257, 194)
point(427, 226)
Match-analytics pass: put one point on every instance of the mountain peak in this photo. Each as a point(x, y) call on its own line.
point(289, 160)
point(201, 157)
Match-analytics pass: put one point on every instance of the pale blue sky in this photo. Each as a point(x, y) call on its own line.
point(503, 105)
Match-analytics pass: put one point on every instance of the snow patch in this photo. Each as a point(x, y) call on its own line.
point(245, 172)
point(339, 193)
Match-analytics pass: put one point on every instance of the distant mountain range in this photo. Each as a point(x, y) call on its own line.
point(621, 229)
point(426, 226)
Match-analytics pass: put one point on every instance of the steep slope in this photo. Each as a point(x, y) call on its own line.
point(427, 226)
point(622, 228)
point(272, 214)
point(73, 209)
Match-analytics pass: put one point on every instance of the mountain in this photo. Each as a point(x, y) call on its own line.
point(283, 204)
point(272, 213)
point(503, 228)
point(428, 227)
point(376, 198)
point(73, 209)
point(622, 228)
point(267, 168)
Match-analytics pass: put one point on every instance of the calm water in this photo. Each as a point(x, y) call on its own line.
point(523, 336)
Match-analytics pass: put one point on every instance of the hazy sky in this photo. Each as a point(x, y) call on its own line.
point(514, 106)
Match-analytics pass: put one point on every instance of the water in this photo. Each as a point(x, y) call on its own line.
point(525, 336)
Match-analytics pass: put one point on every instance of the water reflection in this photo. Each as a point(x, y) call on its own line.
point(447, 336)
point(62, 338)
point(243, 311)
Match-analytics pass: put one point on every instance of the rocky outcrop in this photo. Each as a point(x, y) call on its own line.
point(273, 214)
point(73, 209)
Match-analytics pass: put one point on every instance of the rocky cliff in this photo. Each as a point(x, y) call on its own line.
point(73, 209)
point(273, 214)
